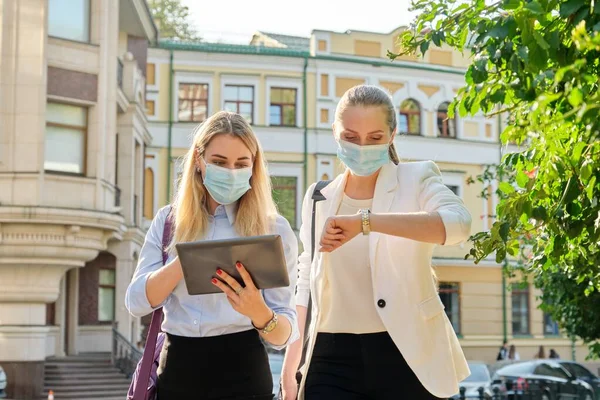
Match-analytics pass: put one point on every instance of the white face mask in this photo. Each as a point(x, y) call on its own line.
point(363, 160)
point(226, 185)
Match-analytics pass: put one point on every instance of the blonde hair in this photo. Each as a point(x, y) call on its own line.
point(371, 96)
point(256, 210)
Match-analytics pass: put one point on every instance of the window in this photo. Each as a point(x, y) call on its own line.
point(66, 128)
point(150, 107)
point(520, 309)
point(577, 370)
point(148, 193)
point(455, 189)
point(410, 117)
point(240, 99)
point(150, 74)
point(106, 295)
point(446, 126)
point(69, 19)
point(285, 195)
point(282, 111)
point(193, 102)
point(553, 370)
point(550, 326)
point(450, 296)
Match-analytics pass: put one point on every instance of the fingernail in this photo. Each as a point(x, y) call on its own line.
point(237, 264)
point(219, 271)
point(214, 281)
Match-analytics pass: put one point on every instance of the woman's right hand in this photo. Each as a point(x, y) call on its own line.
point(289, 388)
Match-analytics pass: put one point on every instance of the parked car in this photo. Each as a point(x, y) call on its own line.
point(3, 383)
point(544, 378)
point(581, 372)
point(479, 378)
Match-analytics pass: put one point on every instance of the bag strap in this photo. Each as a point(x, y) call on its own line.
point(141, 390)
point(316, 197)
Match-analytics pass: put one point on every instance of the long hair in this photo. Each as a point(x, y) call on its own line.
point(371, 96)
point(256, 209)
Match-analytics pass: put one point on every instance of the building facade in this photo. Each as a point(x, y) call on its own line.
point(288, 88)
point(73, 134)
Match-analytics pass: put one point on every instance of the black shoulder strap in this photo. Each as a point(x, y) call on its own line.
point(316, 197)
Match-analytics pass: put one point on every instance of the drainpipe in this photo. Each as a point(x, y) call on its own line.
point(170, 130)
point(505, 268)
point(305, 117)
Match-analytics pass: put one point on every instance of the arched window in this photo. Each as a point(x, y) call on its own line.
point(148, 193)
point(410, 117)
point(446, 126)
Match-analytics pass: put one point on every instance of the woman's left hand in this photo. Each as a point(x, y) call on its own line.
point(247, 299)
point(339, 230)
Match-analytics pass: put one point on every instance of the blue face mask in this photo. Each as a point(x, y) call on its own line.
point(226, 185)
point(363, 160)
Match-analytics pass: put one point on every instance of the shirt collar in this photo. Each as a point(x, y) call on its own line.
point(230, 210)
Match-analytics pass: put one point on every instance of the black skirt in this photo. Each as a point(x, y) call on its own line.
point(226, 367)
point(361, 367)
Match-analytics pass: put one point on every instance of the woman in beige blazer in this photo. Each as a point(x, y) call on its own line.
point(378, 329)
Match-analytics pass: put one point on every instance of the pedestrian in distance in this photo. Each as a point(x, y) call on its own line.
point(513, 354)
point(541, 354)
point(503, 352)
point(554, 354)
point(213, 347)
point(377, 321)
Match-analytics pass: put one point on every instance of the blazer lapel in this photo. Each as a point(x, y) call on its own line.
point(385, 190)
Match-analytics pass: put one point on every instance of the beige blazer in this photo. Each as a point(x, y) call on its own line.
point(401, 271)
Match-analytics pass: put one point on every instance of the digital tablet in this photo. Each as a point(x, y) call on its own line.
point(262, 256)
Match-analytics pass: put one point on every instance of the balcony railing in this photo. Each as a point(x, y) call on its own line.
point(120, 73)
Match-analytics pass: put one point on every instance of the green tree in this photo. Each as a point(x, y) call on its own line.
point(536, 62)
point(172, 20)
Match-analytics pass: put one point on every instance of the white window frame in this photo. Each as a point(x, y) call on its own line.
point(286, 83)
point(193, 78)
point(296, 171)
point(330, 86)
point(156, 85)
point(326, 36)
point(154, 164)
point(454, 179)
point(325, 105)
point(152, 96)
point(253, 81)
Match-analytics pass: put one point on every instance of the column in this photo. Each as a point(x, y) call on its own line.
point(60, 317)
point(72, 311)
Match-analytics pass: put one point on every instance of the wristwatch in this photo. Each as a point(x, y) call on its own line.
point(270, 326)
point(365, 220)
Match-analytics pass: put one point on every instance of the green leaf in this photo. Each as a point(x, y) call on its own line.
point(424, 47)
point(575, 97)
point(463, 38)
point(534, 7)
point(522, 179)
point(506, 187)
point(511, 4)
point(540, 40)
point(586, 171)
point(570, 7)
point(576, 153)
point(589, 190)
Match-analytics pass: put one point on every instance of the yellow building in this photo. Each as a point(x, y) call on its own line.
point(288, 88)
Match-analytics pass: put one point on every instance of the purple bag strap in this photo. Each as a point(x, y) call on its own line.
point(141, 390)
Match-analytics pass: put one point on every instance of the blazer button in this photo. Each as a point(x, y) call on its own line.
point(381, 303)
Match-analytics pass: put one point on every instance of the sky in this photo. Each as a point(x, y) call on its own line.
point(236, 20)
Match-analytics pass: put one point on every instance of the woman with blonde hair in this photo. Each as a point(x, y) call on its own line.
point(212, 347)
point(378, 329)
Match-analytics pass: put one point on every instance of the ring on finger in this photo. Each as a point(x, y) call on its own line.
point(239, 290)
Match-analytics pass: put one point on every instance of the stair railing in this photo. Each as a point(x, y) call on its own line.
point(125, 356)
